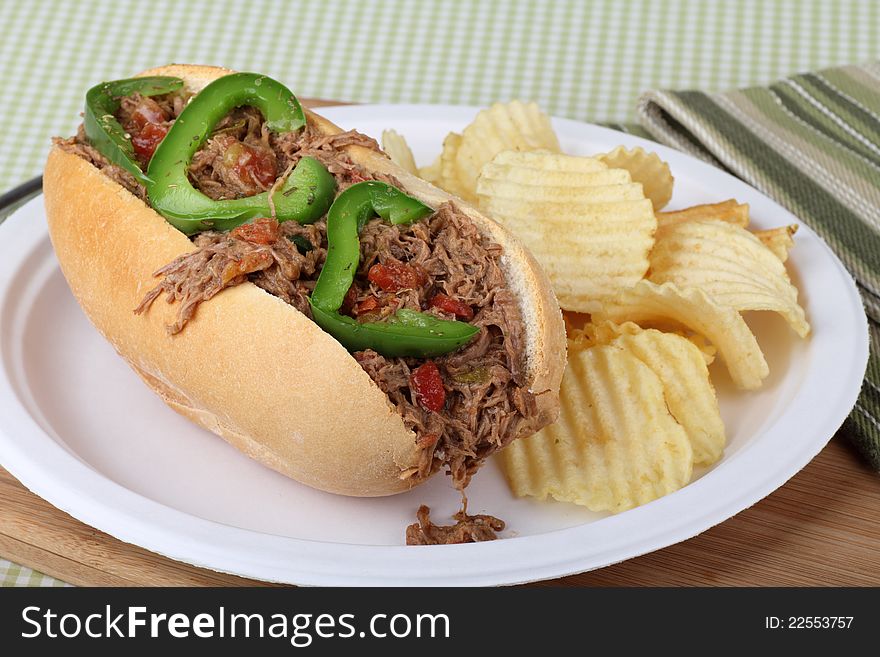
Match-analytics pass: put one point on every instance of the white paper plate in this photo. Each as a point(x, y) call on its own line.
point(78, 428)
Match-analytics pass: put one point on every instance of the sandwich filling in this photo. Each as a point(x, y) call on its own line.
point(463, 405)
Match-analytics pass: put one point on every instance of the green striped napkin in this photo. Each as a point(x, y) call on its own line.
point(811, 142)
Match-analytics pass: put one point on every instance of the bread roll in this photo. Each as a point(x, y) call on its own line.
point(249, 367)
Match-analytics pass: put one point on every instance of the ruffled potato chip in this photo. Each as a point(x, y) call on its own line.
point(650, 304)
point(730, 211)
point(448, 180)
point(645, 168)
point(587, 333)
point(730, 264)
point(431, 172)
point(398, 150)
point(591, 234)
point(503, 126)
point(549, 164)
point(689, 393)
point(615, 445)
point(779, 240)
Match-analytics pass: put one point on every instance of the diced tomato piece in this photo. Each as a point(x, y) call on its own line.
point(452, 306)
point(369, 304)
point(263, 230)
point(146, 141)
point(427, 386)
point(253, 165)
point(397, 276)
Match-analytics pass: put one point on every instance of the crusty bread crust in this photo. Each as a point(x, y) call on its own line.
point(249, 367)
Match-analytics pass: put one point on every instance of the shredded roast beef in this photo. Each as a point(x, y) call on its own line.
point(484, 402)
point(467, 529)
point(487, 400)
point(170, 104)
point(327, 149)
point(212, 173)
point(80, 147)
point(213, 169)
point(223, 260)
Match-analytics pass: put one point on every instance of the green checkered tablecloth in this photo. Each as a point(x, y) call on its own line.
point(583, 60)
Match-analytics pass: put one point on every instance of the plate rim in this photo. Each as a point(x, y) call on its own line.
point(200, 545)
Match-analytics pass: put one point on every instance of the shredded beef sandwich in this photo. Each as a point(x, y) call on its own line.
point(461, 406)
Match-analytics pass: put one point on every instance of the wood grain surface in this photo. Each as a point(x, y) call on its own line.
point(821, 528)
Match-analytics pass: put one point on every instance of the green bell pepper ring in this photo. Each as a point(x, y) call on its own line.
point(103, 130)
point(348, 215)
point(305, 196)
point(407, 332)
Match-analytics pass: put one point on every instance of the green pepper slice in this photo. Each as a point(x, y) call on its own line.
point(407, 332)
point(304, 196)
point(103, 130)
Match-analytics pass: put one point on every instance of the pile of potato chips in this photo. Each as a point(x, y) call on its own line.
point(649, 298)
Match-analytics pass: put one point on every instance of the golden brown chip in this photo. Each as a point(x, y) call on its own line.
point(645, 168)
point(779, 240)
point(615, 445)
point(730, 265)
point(650, 304)
point(729, 211)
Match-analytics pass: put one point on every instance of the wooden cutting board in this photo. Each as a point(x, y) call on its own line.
point(821, 528)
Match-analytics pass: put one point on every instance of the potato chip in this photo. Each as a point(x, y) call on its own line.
point(431, 173)
point(558, 196)
point(730, 265)
point(687, 388)
point(530, 174)
point(648, 303)
point(603, 333)
point(608, 185)
point(779, 240)
point(448, 179)
point(398, 150)
point(615, 445)
point(706, 348)
point(547, 163)
point(591, 334)
point(591, 236)
point(729, 211)
point(645, 168)
point(511, 126)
